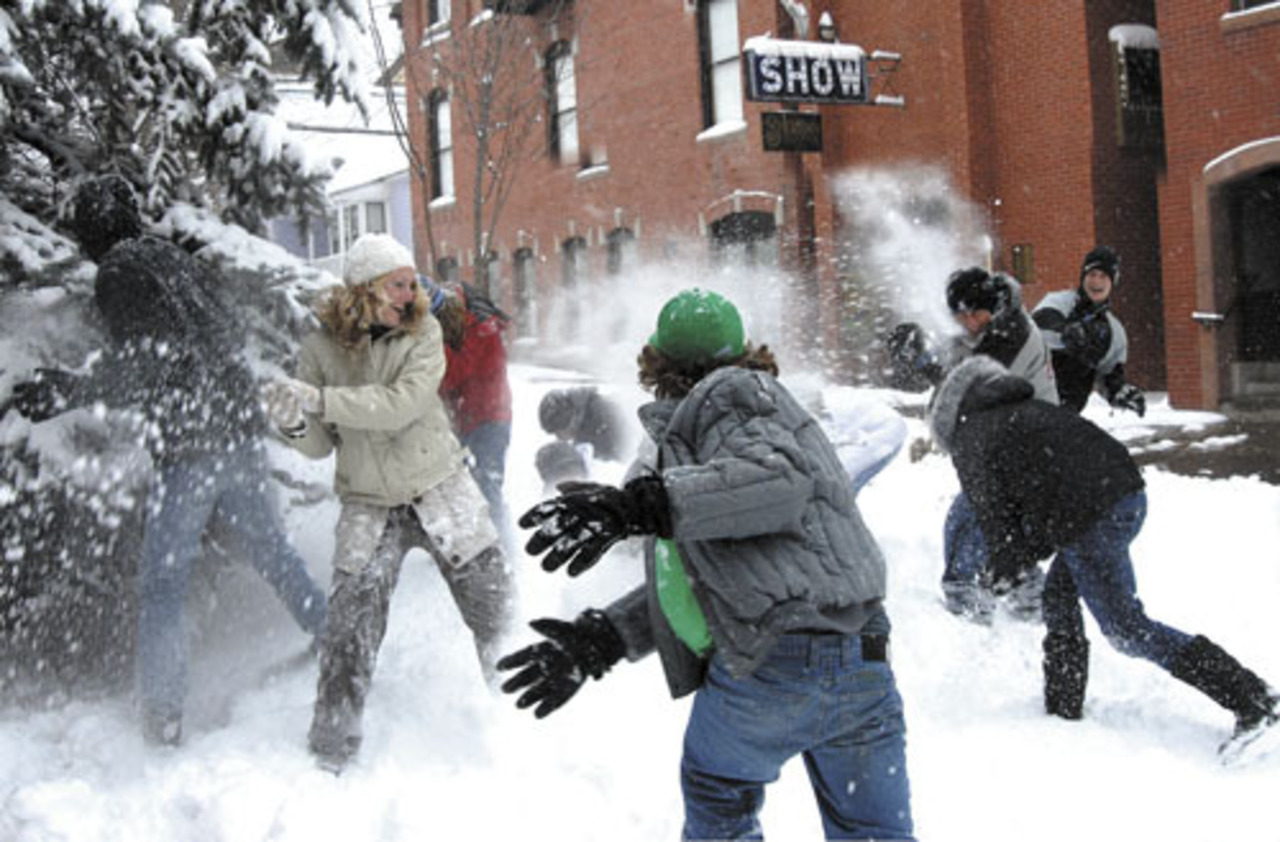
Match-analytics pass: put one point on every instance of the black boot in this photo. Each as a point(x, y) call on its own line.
point(1207, 667)
point(1066, 674)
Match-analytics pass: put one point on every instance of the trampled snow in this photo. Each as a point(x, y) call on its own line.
point(444, 758)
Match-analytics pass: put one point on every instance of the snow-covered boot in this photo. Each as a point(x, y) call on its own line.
point(1207, 667)
point(1025, 597)
point(1066, 674)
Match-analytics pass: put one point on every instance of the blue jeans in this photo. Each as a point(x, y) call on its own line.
point(1097, 568)
point(231, 487)
point(814, 696)
point(488, 444)
point(963, 549)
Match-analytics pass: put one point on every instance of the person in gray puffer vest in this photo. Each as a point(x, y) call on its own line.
point(1088, 344)
point(1043, 480)
point(763, 590)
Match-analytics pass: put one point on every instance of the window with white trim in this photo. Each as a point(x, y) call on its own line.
point(562, 101)
point(375, 217)
point(440, 137)
point(438, 12)
point(719, 50)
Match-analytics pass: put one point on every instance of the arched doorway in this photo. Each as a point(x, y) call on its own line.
point(1244, 233)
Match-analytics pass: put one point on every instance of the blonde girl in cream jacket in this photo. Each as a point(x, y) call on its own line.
point(366, 389)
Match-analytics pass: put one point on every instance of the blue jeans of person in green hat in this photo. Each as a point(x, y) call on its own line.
point(830, 698)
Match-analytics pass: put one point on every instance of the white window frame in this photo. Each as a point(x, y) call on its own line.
point(723, 71)
point(440, 127)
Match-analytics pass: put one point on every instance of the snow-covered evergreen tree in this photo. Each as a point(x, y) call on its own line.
point(180, 104)
point(178, 98)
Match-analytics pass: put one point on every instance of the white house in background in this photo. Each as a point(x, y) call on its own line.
point(369, 191)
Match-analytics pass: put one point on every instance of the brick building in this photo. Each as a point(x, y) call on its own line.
point(1026, 134)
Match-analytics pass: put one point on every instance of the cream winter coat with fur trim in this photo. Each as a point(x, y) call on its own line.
point(382, 414)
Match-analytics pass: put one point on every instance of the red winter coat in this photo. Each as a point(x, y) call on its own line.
point(475, 386)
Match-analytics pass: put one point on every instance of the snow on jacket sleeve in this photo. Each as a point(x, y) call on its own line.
point(743, 476)
point(315, 442)
point(394, 405)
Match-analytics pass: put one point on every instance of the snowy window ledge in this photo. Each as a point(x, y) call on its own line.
point(435, 33)
point(592, 172)
point(1249, 18)
point(442, 202)
point(721, 131)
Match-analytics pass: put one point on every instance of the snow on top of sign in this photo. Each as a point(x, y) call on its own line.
point(763, 45)
point(1135, 36)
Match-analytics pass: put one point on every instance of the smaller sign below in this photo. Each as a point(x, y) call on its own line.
point(791, 131)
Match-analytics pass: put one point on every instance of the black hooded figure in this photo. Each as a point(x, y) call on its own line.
point(1088, 508)
point(176, 360)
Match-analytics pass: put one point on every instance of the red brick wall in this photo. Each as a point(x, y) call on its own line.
point(1016, 100)
point(1220, 92)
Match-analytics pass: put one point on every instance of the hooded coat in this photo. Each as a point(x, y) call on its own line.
point(475, 385)
point(1038, 476)
point(763, 515)
point(176, 356)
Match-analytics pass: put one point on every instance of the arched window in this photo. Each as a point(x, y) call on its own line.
point(573, 265)
point(447, 270)
point(440, 138)
point(747, 239)
point(718, 52)
point(622, 249)
point(562, 103)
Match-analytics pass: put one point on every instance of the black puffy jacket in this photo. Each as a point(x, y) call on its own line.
point(1039, 476)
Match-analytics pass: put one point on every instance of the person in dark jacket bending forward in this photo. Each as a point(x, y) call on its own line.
point(763, 590)
point(1031, 502)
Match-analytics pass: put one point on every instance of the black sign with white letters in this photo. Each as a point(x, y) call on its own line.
point(805, 71)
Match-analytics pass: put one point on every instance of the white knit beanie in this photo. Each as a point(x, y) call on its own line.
point(373, 256)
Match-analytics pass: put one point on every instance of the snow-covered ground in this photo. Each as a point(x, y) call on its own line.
point(445, 759)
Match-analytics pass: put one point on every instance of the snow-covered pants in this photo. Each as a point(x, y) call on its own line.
point(833, 700)
point(231, 487)
point(452, 524)
point(1097, 568)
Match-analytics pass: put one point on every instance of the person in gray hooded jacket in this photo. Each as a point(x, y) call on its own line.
point(763, 590)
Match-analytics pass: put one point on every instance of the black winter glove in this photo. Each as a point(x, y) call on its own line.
point(554, 669)
point(588, 518)
point(43, 396)
point(1130, 397)
point(1088, 339)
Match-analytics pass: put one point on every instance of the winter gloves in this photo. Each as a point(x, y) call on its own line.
point(1089, 338)
point(286, 400)
point(911, 357)
point(43, 396)
point(588, 518)
point(1130, 397)
point(577, 528)
point(554, 669)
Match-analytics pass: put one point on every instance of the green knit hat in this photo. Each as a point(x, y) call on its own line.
point(699, 326)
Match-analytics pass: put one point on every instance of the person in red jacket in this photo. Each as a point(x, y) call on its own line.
point(475, 388)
